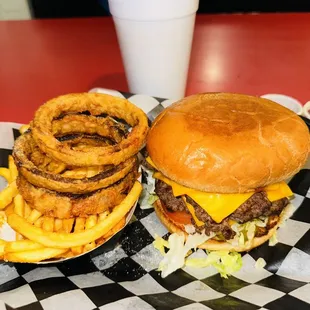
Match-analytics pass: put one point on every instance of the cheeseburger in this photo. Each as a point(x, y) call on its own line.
point(221, 161)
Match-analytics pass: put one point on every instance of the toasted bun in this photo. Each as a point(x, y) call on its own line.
point(211, 244)
point(228, 143)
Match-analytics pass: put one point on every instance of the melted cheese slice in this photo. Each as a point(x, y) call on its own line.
point(191, 210)
point(219, 206)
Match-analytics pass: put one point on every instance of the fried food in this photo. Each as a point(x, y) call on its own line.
point(48, 223)
point(95, 104)
point(33, 216)
point(6, 174)
point(72, 184)
point(69, 240)
point(19, 204)
point(90, 222)
point(8, 194)
point(9, 209)
point(13, 169)
point(78, 227)
point(76, 142)
point(114, 230)
point(87, 124)
point(21, 246)
point(24, 128)
point(62, 205)
point(33, 256)
point(67, 225)
point(58, 224)
point(23, 147)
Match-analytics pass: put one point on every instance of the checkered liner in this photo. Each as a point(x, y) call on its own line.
point(126, 277)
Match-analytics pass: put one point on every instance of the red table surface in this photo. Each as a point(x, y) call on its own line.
point(253, 54)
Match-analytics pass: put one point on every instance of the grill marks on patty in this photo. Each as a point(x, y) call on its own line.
point(256, 206)
point(165, 194)
point(210, 225)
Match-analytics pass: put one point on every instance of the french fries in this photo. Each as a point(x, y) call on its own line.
point(67, 225)
point(21, 246)
point(103, 215)
point(27, 210)
point(9, 209)
point(79, 226)
point(33, 216)
point(41, 237)
point(67, 240)
point(115, 229)
point(58, 224)
point(5, 173)
point(12, 168)
point(19, 205)
point(33, 256)
point(91, 221)
point(48, 223)
point(38, 223)
point(24, 128)
point(2, 246)
point(7, 195)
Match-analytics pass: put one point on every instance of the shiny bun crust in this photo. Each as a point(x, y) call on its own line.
point(228, 143)
point(211, 244)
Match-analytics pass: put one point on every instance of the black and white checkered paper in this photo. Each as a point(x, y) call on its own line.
point(122, 274)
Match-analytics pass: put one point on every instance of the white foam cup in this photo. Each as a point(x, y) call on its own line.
point(286, 101)
point(155, 37)
point(306, 110)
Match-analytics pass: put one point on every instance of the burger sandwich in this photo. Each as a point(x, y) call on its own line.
point(221, 162)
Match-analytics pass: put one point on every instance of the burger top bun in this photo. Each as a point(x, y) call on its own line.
point(228, 143)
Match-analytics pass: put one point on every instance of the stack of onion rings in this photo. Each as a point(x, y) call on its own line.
point(78, 158)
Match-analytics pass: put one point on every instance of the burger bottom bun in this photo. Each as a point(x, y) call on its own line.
point(211, 244)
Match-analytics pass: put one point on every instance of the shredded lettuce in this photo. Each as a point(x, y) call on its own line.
point(260, 263)
point(250, 230)
point(179, 249)
point(148, 196)
point(224, 261)
point(273, 240)
point(241, 239)
point(152, 198)
point(160, 244)
point(190, 229)
point(245, 233)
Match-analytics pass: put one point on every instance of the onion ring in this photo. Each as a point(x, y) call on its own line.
point(76, 141)
point(95, 104)
point(22, 149)
point(73, 129)
point(88, 124)
point(59, 205)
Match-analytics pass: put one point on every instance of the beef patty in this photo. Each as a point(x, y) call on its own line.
point(165, 194)
point(256, 206)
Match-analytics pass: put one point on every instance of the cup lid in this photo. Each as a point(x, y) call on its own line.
point(152, 10)
point(286, 101)
point(306, 110)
